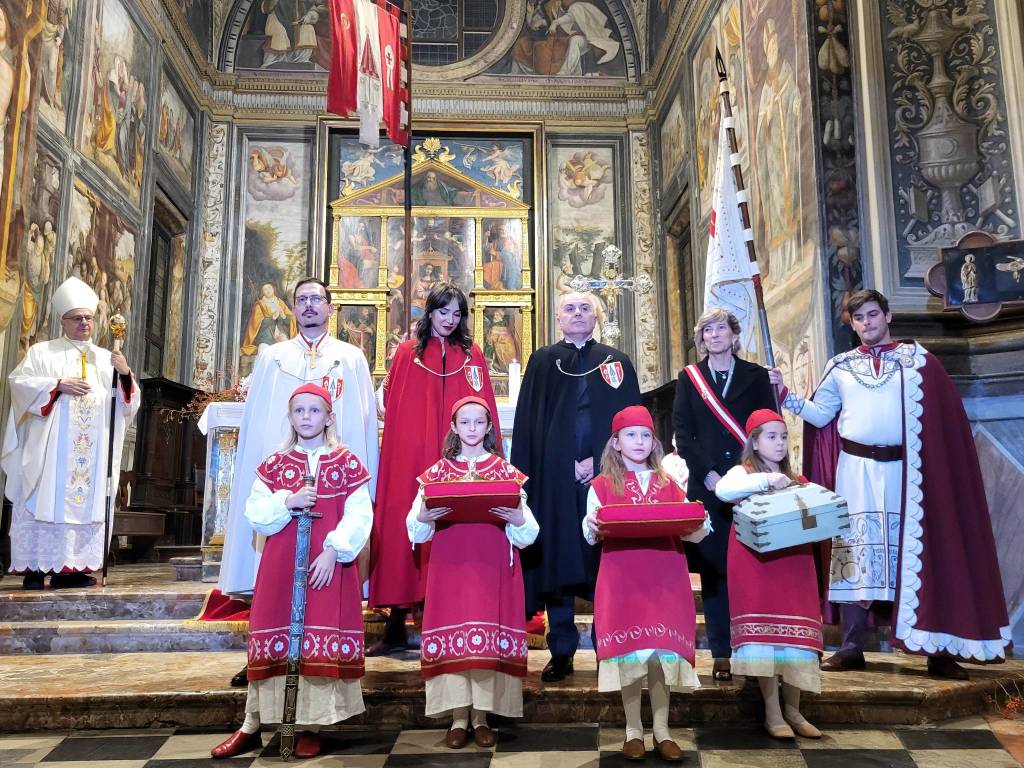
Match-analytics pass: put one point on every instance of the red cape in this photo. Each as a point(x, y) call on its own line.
point(417, 416)
point(949, 592)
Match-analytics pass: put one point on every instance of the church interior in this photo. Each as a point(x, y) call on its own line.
point(177, 156)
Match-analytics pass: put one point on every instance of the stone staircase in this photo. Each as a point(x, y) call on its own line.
point(127, 656)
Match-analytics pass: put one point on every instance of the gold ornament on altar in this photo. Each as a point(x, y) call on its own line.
point(118, 329)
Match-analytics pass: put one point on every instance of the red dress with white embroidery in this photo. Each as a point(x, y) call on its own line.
point(332, 640)
point(474, 615)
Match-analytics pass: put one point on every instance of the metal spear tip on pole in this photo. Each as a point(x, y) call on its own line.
point(720, 65)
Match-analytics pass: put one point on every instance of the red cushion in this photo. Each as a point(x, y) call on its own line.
point(649, 521)
point(471, 500)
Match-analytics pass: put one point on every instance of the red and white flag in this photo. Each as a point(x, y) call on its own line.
point(368, 68)
point(728, 282)
point(342, 83)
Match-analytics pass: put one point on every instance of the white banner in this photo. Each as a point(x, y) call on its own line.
point(728, 280)
point(370, 94)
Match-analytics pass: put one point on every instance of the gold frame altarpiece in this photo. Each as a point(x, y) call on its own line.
point(380, 203)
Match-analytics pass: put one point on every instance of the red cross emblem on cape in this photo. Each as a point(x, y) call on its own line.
point(334, 385)
point(612, 374)
point(475, 377)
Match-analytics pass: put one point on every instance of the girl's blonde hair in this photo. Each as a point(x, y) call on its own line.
point(614, 468)
point(752, 461)
point(331, 438)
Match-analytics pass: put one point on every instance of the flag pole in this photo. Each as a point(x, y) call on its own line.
point(744, 206)
point(407, 289)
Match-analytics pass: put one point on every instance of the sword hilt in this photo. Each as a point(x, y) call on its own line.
point(308, 482)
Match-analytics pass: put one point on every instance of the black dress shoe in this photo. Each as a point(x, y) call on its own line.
point(71, 581)
point(844, 661)
point(944, 666)
point(34, 580)
point(241, 679)
point(556, 669)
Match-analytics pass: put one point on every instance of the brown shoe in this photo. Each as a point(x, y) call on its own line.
point(634, 749)
point(238, 743)
point(844, 661)
point(456, 738)
point(483, 736)
point(669, 751)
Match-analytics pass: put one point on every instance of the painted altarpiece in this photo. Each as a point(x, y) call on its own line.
point(470, 226)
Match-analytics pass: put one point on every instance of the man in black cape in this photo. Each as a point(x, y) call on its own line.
point(570, 393)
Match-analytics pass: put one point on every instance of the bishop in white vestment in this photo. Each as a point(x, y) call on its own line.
point(311, 356)
point(56, 442)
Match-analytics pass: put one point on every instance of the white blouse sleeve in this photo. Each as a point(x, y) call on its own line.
point(593, 504)
point(523, 535)
point(738, 484)
point(419, 533)
point(820, 409)
point(701, 533)
point(352, 533)
point(265, 509)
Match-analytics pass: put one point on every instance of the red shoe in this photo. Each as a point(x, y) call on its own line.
point(307, 744)
point(238, 743)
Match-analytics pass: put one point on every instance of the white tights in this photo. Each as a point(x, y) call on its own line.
point(773, 711)
point(251, 724)
point(462, 716)
point(658, 691)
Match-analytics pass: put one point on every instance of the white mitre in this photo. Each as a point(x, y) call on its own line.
point(73, 294)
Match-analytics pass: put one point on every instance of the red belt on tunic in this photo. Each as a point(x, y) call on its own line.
point(874, 452)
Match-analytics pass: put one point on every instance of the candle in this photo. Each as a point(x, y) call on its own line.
point(83, 365)
point(514, 380)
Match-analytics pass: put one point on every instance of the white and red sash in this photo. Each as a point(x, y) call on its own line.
point(714, 404)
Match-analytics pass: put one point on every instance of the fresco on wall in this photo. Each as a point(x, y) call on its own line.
point(101, 251)
point(199, 15)
point(112, 112)
point(659, 13)
point(565, 38)
point(581, 212)
point(57, 57)
point(952, 169)
point(673, 142)
point(176, 132)
point(285, 37)
point(37, 257)
point(275, 215)
point(175, 310)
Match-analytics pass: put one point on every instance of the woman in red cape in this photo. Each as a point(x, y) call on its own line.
point(428, 375)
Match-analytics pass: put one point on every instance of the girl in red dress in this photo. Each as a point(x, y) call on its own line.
point(473, 650)
point(429, 373)
point(773, 596)
point(331, 660)
point(644, 615)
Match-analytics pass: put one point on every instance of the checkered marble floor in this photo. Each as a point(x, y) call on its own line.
point(964, 744)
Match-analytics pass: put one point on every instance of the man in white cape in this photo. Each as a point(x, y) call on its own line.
point(56, 443)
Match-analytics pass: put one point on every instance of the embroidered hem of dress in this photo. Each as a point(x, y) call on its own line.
point(796, 666)
point(906, 633)
point(615, 673)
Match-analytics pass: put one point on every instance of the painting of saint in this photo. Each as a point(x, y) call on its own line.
point(775, 121)
point(275, 214)
point(566, 38)
point(101, 252)
point(286, 36)
point(673, 142)
point(431, 189)
point(270, 321)
point(175, 310)
point(39, 250)
point(59, 44)
point(358, 326)
point(358, 252)
point(503, 337)
point(176, 131)
point(116, 74)
point(443, 248)
point(503, 254)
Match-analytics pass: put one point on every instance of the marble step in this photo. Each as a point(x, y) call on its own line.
point(100, 691)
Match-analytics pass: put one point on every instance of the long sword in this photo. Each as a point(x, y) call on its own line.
point(296, 624)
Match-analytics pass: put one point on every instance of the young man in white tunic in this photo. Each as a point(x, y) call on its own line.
point(56, 443)
point(312, 356)
point(909, 471)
